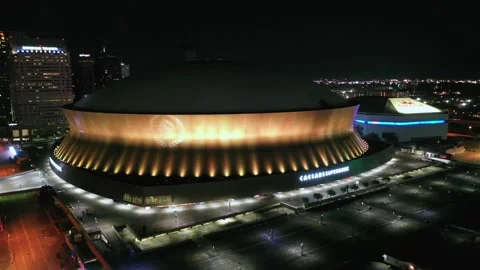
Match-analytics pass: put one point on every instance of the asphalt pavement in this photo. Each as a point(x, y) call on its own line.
point(109, 213)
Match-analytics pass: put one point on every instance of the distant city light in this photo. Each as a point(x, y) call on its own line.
point(12, 150)
point(84, 55)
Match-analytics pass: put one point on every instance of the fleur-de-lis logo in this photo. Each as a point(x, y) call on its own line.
point(168, 129)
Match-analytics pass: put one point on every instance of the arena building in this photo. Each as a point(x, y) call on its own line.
point(400, 119)
point(210, 132)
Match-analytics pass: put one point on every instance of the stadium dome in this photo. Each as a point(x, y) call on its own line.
point(205, 132)
point(211, 89)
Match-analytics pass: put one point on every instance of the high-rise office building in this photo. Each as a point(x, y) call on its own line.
point(41, 83)
point(108, 68)
point(83, 76)
point(5, 106)
point(125, 70)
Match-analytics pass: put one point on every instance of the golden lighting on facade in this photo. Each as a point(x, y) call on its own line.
point(196, 145)
point(100, 158)
point(330, 154)
point(226, 164)
point(241, 163)
point(91, 157)
point(339, 155)
point(156, 164)
point(121, 160)
point(254, 164)
point(353, 148)
point(321, 153)
point(303, 160)
point(212, 130)
point(211, 166)
point(169, 165)
point(133, 160)
point(143, 163)
point(293, 163)
point(313, 158)
point(183, 165)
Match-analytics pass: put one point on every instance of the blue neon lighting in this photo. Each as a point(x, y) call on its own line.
point(411, 123)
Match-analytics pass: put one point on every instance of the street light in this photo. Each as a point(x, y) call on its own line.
point(301, 248)
point(230, 205)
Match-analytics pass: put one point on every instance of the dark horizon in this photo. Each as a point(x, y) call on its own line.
point(358, 42)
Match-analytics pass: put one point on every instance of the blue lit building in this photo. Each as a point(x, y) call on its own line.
point(400, 119)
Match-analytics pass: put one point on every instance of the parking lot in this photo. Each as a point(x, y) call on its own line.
point(332, 237)
point(29, 239)
point(350, 225)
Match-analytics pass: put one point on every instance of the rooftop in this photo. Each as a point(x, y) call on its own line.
point(211, 88)
point(378, 104)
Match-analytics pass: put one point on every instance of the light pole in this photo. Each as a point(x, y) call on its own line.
point(230, 205)
point(301, 248)
point(176, 217)
point(213, 250)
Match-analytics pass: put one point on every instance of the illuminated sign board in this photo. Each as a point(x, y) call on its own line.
point(322, 174)
point(38, 48)
point(84, 55)
point(410, 106)
point(55, 165)
point(406, 123)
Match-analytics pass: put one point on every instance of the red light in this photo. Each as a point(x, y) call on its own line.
point(38, 38)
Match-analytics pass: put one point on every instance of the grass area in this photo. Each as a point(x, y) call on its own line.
point(17, 198)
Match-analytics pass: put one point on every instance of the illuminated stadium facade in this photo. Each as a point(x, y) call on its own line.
point(207, 133)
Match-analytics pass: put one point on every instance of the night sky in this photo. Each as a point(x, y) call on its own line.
point(376, 40)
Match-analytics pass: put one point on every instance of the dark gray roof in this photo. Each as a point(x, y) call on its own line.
point(374, 104)
point(211, 89)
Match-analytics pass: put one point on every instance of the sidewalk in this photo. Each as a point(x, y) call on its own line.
point(165, 239)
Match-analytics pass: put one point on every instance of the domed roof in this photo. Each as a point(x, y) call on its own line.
point(206, 88)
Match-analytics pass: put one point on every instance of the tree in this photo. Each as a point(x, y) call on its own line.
point(390, 138)
point(317, 196)
point(354, 187)
point(305, 200)
point(372, 136)
point(365, 184)
point(331, 192)
point(375, 182)
point(344, 189)
point(386, 179)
